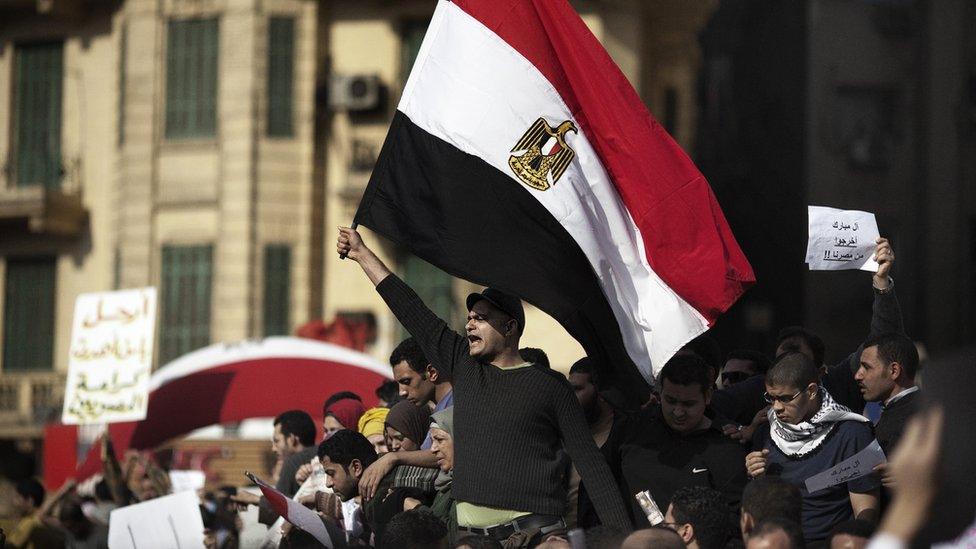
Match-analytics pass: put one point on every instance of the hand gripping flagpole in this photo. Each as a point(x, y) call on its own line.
point(354, 226)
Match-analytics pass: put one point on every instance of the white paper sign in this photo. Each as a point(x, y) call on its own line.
point(841, 239)
point(183, 481)
point(166, 522)
point(856, 466)
point(110, 358)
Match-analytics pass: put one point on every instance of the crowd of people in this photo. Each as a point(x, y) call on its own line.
point(477, 443)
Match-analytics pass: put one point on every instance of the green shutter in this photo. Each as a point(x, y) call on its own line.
point(412, 38)
point(186, 286)
point(39, 74)
point(281, 73)
point(123, 47)
point(277, 286)
point(191, 78)
point(433, 285)
point(28, 316)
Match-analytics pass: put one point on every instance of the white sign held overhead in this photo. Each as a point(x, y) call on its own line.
point(110, 357)
point(841, 239)
point(163, 523)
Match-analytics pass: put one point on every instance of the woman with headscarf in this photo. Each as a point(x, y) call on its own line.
point(371, 426)
point(342, 414)
point(444, 506)
point(406, 426)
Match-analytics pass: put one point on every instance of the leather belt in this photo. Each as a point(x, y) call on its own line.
point(545, 524)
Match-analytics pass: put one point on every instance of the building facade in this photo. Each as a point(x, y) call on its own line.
point(210, 148)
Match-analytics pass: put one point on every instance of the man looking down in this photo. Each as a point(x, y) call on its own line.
point(808, 433)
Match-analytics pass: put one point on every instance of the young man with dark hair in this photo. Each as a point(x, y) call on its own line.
point(421, 383)
point(700, 516)
point(776, 533)
point(808, 433)
point(344, 457)
point(769, 497)
point(741, 364)
point(294, 444)
point(675, 444)
point(515, 418)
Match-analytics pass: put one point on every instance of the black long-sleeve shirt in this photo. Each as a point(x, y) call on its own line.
point(509, 424)
point(646, 454)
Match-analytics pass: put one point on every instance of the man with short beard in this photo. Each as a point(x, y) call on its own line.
point(887, 375)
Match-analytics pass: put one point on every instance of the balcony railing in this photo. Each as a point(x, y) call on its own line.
point(56, 210)
point(30, 399)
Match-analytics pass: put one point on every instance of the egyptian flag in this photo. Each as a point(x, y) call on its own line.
point(521, 158)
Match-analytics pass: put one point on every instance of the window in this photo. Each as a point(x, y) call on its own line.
point(28, 314)
point(277, 285)
point(191, 78)
point(281, 71)
point(186, 286)
point(39, 73)
point(411, 39)
point(433, 285)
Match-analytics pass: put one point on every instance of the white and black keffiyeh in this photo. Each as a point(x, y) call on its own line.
point(801, 439)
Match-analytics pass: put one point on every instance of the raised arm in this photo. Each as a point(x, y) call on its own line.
point(589, 461)
point(886, 312)
point(442, 346)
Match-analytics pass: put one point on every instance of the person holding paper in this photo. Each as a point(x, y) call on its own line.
point(808, 433)
point(743, 401)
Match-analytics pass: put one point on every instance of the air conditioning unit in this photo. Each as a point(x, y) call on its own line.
point(356, 92)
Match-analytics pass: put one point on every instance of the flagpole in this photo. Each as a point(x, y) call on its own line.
point(354, 226)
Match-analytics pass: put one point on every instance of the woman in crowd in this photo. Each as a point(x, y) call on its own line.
point(371, 425)
point(406, 426)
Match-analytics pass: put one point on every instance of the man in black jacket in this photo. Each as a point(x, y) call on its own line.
point(887, 375)
point(674, 444)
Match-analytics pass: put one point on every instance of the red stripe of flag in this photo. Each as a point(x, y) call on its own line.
point(686, 237)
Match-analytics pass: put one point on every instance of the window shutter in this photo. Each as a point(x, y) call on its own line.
point(281, 73)
point(187, 279)
point(191, 78)
point(28, 316)
point(40, 75)
point(277, 290)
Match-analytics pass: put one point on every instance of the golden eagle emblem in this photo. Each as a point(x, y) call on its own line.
point(541, 157)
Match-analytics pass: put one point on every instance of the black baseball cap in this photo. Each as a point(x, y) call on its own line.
point(508, 303)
